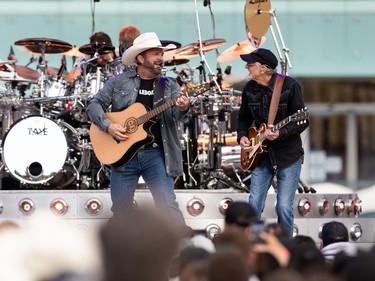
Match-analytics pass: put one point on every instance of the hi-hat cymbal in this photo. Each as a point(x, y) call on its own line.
point(43, 45)
point(234, 52)
point(17, 80)
point(257, 17)
point(207, 45)
point(174, 62)
point(100, 48)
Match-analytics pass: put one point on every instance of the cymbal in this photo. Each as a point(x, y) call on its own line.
point(234, 52)
point(207, 45)
point(17, 80)
point(74, 52)
point(100, 48)
point(174, 62)
point(172, 55)
point(232, 79)
point(53, 71)
point(26, 72)
point(167, 42)
point(7, 62)
point(257, 17)
point(43, 45)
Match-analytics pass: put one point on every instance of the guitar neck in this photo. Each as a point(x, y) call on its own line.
point(152, 113)
point(281, 124)
point(278, 126)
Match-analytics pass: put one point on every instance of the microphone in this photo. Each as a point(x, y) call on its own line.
point(206, 2)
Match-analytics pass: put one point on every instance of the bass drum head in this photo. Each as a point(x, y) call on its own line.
point(34, 150)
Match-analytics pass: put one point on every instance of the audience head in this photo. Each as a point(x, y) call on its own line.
point(240, 214)
point(47, 248)
point(303, 240)
point(227, 265)
point(138, 245)
point(333, 232)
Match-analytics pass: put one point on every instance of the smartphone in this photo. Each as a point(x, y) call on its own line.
point(256, 229)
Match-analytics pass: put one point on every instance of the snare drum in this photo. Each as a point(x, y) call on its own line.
point(36, 148)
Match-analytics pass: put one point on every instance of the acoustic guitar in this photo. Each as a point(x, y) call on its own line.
point(250, 159)
point(138, 120)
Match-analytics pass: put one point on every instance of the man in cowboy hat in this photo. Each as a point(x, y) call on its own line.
point(159, 161)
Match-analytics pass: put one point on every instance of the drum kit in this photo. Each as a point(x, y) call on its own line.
point(44, 135)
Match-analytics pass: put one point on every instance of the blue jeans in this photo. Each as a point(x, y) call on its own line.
point(287, 182)
point(148, 163)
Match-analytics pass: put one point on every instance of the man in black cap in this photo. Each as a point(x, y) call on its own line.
point(335, 239)
point(284, 144)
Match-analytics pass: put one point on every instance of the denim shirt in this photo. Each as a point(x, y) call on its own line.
point(121, 91)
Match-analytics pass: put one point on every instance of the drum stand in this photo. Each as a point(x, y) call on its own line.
point(211, 173)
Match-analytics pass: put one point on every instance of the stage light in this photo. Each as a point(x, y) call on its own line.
point(59, 207)
point(224, 204)
point(357, 207)
point(324, 206)
point(195, 206)
point(354, 206)
point(356, 231)
point(94, 207)
point(212, 230)
point(304, 206)
point(26, 206)
point(350, 206)
point(339, 206)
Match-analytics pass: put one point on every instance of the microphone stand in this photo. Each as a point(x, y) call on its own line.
point(284, 60)
point(214, 176)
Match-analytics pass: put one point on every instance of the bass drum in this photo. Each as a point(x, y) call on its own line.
point(39, 152)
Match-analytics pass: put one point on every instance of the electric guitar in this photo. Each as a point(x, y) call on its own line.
point(138, 120)
point(250, 159)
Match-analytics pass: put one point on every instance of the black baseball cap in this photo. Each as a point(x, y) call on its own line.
point(263, 56)
point(333, 232)
point(240, 213)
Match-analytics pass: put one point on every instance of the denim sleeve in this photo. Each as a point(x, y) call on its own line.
point(98, 105)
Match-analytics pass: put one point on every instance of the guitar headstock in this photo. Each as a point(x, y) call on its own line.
point(300, 116)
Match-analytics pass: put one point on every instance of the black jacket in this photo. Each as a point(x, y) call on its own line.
point(255, 103)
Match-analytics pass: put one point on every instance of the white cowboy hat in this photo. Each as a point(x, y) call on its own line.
point(143, 42)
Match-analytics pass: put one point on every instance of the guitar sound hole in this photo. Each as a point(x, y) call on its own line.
point(131, 125)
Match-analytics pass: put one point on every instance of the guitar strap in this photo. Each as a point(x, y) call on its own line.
point(159, 91)
point(275, 98)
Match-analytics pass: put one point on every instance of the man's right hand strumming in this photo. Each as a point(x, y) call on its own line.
point(118, 132)
point(245, 144)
